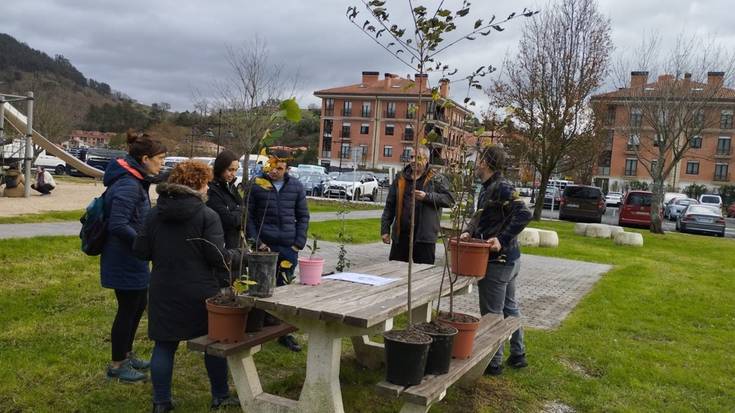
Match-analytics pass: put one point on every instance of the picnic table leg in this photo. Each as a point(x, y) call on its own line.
point(421, 313)
point(414, 408)
point(321, 392)
point(245, 376)
point(369, 353)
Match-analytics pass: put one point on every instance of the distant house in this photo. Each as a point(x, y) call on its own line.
point(88, 139)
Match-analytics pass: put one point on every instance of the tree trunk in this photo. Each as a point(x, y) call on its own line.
point(539, 207)
point(656, 201)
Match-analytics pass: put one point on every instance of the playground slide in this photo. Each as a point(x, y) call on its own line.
point(18, 120)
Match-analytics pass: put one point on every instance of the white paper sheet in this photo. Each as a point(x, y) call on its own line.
point(360, 278)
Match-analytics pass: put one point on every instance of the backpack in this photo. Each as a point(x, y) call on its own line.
point(94, 226)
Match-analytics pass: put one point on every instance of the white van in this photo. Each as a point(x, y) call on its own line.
point(50, 162)
point(303, 168)
point(710, 199)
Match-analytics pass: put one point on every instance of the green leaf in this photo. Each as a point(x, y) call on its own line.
point(435, 94)
point(478, 23)
point(293, 112)
point(444, 13)
point(276, 134)
point(463, 12)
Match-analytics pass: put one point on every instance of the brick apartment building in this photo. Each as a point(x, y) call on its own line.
point(371, 124)
point(88, 139)
point(630, 141)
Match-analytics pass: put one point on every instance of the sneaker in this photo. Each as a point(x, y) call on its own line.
point(494, 370)
point(223, 402)
point(162, 407)
point(289, 342)
point(125, 373)
point(138, 364)
point(517, 361)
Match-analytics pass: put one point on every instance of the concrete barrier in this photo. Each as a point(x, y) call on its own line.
point(629, 238)
point(548, 239)
point(529, 237)
point(580, 228)
point(614, 229)
point(598, 231)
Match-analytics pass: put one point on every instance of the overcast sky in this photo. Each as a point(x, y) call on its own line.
point(159, 51)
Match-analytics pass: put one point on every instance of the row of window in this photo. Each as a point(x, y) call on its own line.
point(365, 129)
point(723, 143)
point(361, 151)
point(636, 118)
point(366, 110)
point(692, 168)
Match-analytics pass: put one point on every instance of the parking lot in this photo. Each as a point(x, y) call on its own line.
point(611, 218)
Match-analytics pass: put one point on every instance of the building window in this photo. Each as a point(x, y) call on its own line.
point(328, 127)
point(631, 167)
point(726, 119)
point(692, 168)
point(387, 151)
point(411, 111)
point(344, 152)
point(636, 117)
point(329, 107)
point(633, 142)
point(406, 155)
point(723, 145)
point(346, 130)
point(721, 172)
point(364, 128)
point(390, 110)
point(699, 119)
point(654, 164)
point(347, 108)
point(363, 153)
point(408, 133)
point(365, 110)
point(610, 136)
point(326, 147)
point(610, 119)
point(696, 142)
point(389, 128)
point(657, 140)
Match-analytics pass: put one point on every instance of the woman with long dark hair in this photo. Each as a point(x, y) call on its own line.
point(224, 198)
point(126, 205)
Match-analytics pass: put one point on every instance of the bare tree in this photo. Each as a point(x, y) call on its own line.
point(671, 115)
point(563, 57)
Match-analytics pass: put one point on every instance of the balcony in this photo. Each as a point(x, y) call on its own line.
point(329, 112)
point(346, 112)
point(723, 152)
point(407, 137)
point(631, 172)
point(631, 148)
point(327, 154)
point(390, 114)
point(722, 177)
point(365, 114)
point(603, 171)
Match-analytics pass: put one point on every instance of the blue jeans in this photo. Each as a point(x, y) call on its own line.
point(162, 369)
point(498, 296)
point(284, 276)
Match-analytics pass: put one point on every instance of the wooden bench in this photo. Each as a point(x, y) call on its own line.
point(242, 366)
point(493, 331)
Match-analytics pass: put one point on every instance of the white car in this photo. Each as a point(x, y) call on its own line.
point(710, 199)
point(52, 163)
point(354, 185)
point(613, 198)
point(205, 159)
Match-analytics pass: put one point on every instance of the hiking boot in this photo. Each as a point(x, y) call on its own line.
point(494, 370)
point(269, 320)
point(517, 361)
point(289, 342)
point(125, 373)
point(138, 364)
point(224, 402)
point(162, 407)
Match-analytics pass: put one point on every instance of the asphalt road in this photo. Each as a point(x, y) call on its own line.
point(611, 218)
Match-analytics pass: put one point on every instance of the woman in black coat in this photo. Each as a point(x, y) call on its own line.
point(186, 271)
point(224, 198)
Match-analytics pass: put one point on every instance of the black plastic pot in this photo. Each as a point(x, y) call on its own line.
point(262, 270)
point(406, 353)
point(256, 317)
point(440, 351)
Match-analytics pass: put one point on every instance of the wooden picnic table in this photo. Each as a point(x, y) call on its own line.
point(328, 312)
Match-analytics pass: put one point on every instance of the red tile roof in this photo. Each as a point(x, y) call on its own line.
point(665, 82)
point(398, 86)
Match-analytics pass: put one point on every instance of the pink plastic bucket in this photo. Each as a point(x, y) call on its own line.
point(310, 270)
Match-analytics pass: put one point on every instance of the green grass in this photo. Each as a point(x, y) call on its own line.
point(333, 206)
point(51, 216)
point(655, 334)
point(360, 231)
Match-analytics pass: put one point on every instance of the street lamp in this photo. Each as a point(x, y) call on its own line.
point(210, 135)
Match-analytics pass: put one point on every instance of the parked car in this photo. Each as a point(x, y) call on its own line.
point(308, 169)
point(312, 183)
point(206, 159)
point(668, 196)
point(383, 179)
point(97, 158)
point(673, 209)
point(171, 161)
point(353, 185)
point(613, 198)
point(582, 203)
point(710, 199)
point(636, 209)
point(51, 163)
point(552, 198)
point(525, 191)
point(701, 218)
point(731, 210)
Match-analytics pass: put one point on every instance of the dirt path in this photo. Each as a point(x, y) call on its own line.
point(66, 197)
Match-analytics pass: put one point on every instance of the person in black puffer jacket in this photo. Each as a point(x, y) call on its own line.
point(224, 198)
point(186, 271)
point(126, 206)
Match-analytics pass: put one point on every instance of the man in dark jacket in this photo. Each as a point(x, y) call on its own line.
point(432, 194)
point(278, 217)
point(501, 215)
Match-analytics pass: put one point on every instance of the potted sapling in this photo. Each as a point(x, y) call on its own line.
point(310, 269)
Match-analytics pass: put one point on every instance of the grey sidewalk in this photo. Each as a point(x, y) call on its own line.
point(73, 227)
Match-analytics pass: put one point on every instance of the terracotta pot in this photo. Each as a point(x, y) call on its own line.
point(464, 341)
point(310, 270)
point(226, 324)
point(469, 258)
